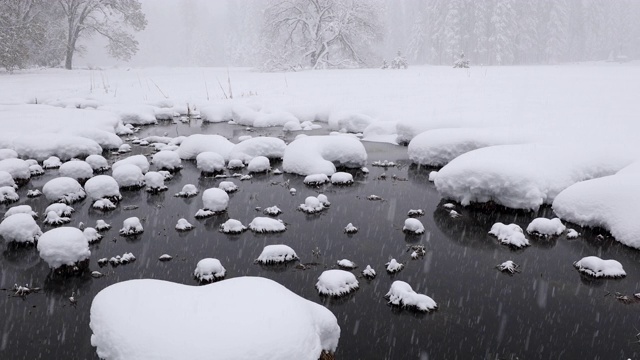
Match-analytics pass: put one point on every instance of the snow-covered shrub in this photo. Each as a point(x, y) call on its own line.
point(19, 169)
point(228, 186)
point(336, 283)
point(183, 225)
point(54, 219)
point(138, 160)
point(597, 267)
point(342, 178)
point(399, 62)
point(316, 179)
point(461, 62)
point(21, 209)
point(154, 181)
point(210, 162)
point(20, 228)
point(546, 227)
point(97, 162)
point(232, 226)
point(321, 154)
point(272, 254)
point(393, 266)
point(53, 162)
point(63, 246)
point(209, 270)
point(401, 294)
point(311, 205)
point(131, 226)
point(79, 170)
point(413, 226)
point(267, 225)
point(103, 187)
point(259, 164)
point(270, 147)
point(188, 190)
point(167, 160)
point(198, 143)
point(63, 189)
point(509, 267)
point(128, 176)
point(511, 234)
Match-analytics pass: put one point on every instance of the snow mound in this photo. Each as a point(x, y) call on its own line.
point(54, 219)
point(596, 267)
point(413, 226)
point(167, 160)
point(63, 246)
point(546, 227)
point(215, 200)
point(209, 162)
point(7, 180)
point(350, 229)
point(97, 162)
point(183, 225)
point(8, 195)
point(79, 170)
point(209, 270)
point(270, 147)
point(42, 146)
point(342, 178)
point(606, 202)
point(235, 164)
point(126, 324)
point(102, 186)
point(52, 162)
point(101, 225)
point(401, 294)
point(138, 160)
point(278, 118)
point(259, 164)
point(18, 169)
point(311, 205)
point(132, 114)
point(59, 209)
point(336, 283)
point(8, 154)
point(349, 121)
point(91, 235)
point(128, 176)
point(347, 264)
point(511, 234)
point(21, 209)
point(272, 211)
point(228, 186)
point(154, 181)
point(216, 113)
point(63, 189)
point(104, 204)
point(36, 170)
point(321, 154)
point(198, 143)
point(131, 226)
point(273, 254)
point(316, 179)
point(232, 226)
point(267, 225)
point(368, 272)
point(20, 228)
point(188, 190)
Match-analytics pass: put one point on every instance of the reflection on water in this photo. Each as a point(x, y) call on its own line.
point(546, 311)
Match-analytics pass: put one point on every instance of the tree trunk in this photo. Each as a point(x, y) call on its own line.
point(68, 62)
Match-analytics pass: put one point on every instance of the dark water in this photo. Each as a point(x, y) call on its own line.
point(548, 311)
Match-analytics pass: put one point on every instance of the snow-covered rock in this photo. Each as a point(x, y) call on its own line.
point(342, 178)
point(63, 246)
point(232, 226)
point(316, 179)
point(131, 226)
point(79, 170)
point(104, 204)
point(546, 227)
point(267, 225)
point(278, 118)
point(393, 266)
point(128, 176)
point(597, 267)
point(350, 229)
point(63, 189)
point(349, 121)
point(270, 147)
point(272, 254)
point(20, 228)
point(413, 226)
point(183, 225)
point(259, 164)
point(102, 225)
point(401, 294)
point(209, 270)
point(228, 186)
point(215, 200)
point(138, 160)
point(511, 234)
point(126, 324)
point(210, 162)
point(188, 190)
point(124, 148)
point(235, 164)
point(36, 170)
point(59, 209)
point(415, 212)
point(369, 272)
point(54, 219)
point(347, 264)
point(19, 169)
point(167, 160)
point(97, 162)
point(7, 180)
point(33, 193)
point(64, 146)
point(102, 187)
point(311, 205)
point(321, 154)
point(198, 143)
point(509, 267)
point(21, 209)
point(91, 235)
point(52, 162)
point(336, 283)
point(572, 234)
point(272, 211)
point(154, 181)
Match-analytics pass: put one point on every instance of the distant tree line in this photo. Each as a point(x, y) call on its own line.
point(46, 32)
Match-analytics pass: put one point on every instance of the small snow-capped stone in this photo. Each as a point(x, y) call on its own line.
point(401, 294)
point(272, 211)
point(124, 148)
point(346, 263)
point(509, 234)
point(103, 262)
point(165, 257)
point(221, 176)
point(8, 195)
point(63, 246)
point(96, 274)
point(383, 163)
point(597, 267)
point(128, 176)
point(336, 283)
point(235, 164)
point(342, 178)
point(415, 213)
point(209, 270)
point(572, 234)
point(104, 204)
point(131, 226)
point(166, 174)
point(36, 170)
point(52, 162)
point(374, 197)
point(413, 226)
point(316, 179)
point(79, 170)
point(167, 160)
point(350, 229)
point(91, 235)
point(546, 227)
point(364, 170)
point(63, 189)
point(311, 205)
point(232, 226)
point(292, 191)
point(97, 162)
point(183, 225)
point(449, 206)
point(20, 228)
point(209, 162)
point(417, 251)
point(34, 193)
point(127, 258)
point(323, 200)
point(454, 214)
point(228, 186)
point(21, 209)
point(277, 172)
point(54, 219)
point(214, 201)
point(101, 225)
point(276, 254)
point(154, 181)
point(267, 225)
point(188, 190)
point(259, 164)
point(60, 209)
point(138, 160)
point(368, 272)
point(433, 175)
point(508, 267)
point(393, 266)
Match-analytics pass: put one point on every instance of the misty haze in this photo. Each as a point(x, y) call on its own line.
point(319, 179)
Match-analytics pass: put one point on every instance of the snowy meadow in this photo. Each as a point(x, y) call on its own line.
point(423, 213)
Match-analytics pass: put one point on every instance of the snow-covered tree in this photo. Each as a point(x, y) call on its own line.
point(320, 33)
point(502, 35)
point(108, 18)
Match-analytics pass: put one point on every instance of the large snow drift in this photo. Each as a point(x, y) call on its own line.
point(195, 144)
point(154, 319)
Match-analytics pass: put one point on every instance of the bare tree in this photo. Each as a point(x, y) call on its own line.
point(320, 33)
point(18, 29)
point(108, 18)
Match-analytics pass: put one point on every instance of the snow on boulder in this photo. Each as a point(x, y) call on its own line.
point(124, 148)
point(91, 235)
point(59, 209)
point(6, 179)
point(342, 178)
point(369, 272)
point(393, 266)
point(401, 294)
point(321, 154)
point(104, 205)
point(42, 146)
point(52, 162)
point(102, 225)
point(21, 209)
point(607, 202)
point(154, 181)
point(167, 160)
point(511, 234)
point(54, 219)
point(259, 164)
point(183, 225)
point(316, 179)
point(336, 283)
point(36, 170)
point(8, 195)
point(311, 205)
point(209, 162)
point(215, 113)
point(20, 228)
point(350, 229)
point(209, 270)
point(138, 160)
point(273, 254)
point(188, 190)
point(18, 169)
point(596, 267)
point(63, 246)
point(235, 164)
point(232, 226)
point(349, 121)
point(131, 226)
point(198, 143)
point(546, 227)
point(103, 187)
point(214, 201)
point(413, 226)
point(228, 186)
point(63, 189)
point(347, 264)
point(128, 176)
point(272, 211)
point(126, 324)
point(8, 154)
point(270, 147)
point(267, 225)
